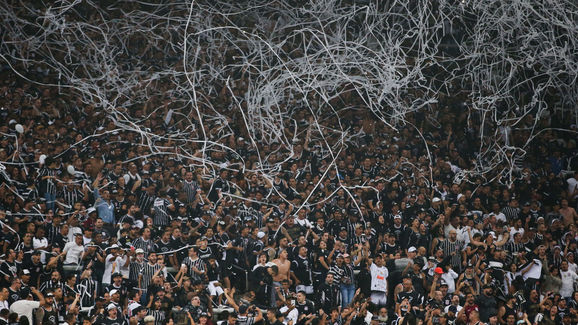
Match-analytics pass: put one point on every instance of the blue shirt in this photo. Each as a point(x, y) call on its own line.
point(105, 209)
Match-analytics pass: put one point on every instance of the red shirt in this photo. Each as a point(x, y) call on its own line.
point(469, 309)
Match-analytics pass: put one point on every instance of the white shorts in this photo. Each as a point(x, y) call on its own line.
point(379, 298)
point(308, 289)
point(215, 290)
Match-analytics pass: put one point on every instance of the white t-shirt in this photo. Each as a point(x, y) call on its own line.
point(4, 304)
point(108, 266)
point(25, 308)
point(73, 253)
point(292, 316)
point(40, 242)
point(450, 277)
point(120, 262)
point(379, 278)
point(572, 185)
point(535, 271)
point(568, 279)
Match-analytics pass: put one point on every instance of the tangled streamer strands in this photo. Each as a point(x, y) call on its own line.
point(284, 76)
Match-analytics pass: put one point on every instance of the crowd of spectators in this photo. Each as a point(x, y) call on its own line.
point(98, 228)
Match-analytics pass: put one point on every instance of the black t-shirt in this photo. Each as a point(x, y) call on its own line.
point(414, 297)
point(302, 270)
point(306, 308)
point(161, 247)
point(13, 296)
point(117, 321)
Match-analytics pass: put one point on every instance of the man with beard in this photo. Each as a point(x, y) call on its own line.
point(47, 313)
point(328, 294)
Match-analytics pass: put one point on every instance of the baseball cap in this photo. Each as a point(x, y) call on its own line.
point(411, 249)
point(139, 251)
point(110, 307)
point(113, 291)
point(26, 272)
point(50, 294)
point(260, 234)
point(439, 270)
point(149, 318)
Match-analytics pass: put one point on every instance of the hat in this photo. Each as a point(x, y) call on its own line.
point(149, 318)
point(397, 216)
point(443, 283)
point(113, 246)
point(90, 210)
point(436, 199)
point(203, 314)
point(50, 294)
point(25, 272)
point(411, 249)
point(77, 234)
point(139, 251)
point(115, 274)
point(270, 220)
point(110, 307)
point(418, 261)
point(260, 234)
point(339, 255)
point(453, 309)
point(113, 291)
point(431, 258)
point(439, 270)
point(345, 255)
point(243, 309)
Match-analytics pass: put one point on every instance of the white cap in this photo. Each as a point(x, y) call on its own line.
point(411, 249)
point(436, 199)
point(260, 234)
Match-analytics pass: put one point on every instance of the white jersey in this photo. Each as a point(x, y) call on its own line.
point(379, 278)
